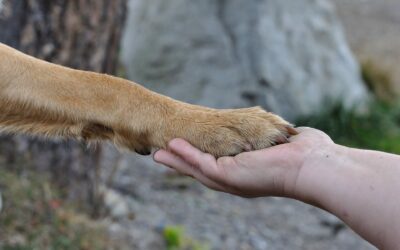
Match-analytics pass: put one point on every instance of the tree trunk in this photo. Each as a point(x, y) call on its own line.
point(81, 34)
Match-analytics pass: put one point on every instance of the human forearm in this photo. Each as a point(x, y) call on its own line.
point(361, 187)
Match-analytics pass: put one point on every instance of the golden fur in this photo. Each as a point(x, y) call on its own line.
point(40, 98)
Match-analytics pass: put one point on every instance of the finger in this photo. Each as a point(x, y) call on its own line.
point(187, 152)
point(177, 163)
point(303, 129)
point(167, 158)
point(299, 130)
point(266, 152)
point(204, 163)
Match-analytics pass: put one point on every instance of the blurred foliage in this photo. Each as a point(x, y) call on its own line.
point(176, 239)
point(378, 81)
point(379, 129)
point(34, 217)
point(173, 236)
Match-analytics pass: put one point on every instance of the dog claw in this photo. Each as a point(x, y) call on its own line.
point(281, 140)
point(144, 151)
point(291, 130)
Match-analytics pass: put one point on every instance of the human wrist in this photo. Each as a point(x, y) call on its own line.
point(321, 173)
point(358, 186)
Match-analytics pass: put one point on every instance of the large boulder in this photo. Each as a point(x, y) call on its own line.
point(290, 57)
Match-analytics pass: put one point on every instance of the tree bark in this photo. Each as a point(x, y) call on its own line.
point(81, 34)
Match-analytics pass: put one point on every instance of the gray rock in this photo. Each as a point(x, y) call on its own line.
point(116, 204)
point(290, 57)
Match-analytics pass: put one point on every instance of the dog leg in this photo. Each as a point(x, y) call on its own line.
point(40, 98)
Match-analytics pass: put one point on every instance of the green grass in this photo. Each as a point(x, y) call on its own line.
point(176, 239)
point(379, 129)
point(35, 217)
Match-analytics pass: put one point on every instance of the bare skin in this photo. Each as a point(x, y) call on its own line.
point(361, 187)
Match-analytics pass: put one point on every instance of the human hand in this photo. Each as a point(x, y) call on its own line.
point(269, 172)
point(358, 186)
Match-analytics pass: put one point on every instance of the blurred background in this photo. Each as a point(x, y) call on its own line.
point(326, 64)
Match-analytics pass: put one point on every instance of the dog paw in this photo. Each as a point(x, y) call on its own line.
point(229, 132)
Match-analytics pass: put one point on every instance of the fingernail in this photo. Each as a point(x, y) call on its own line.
point(155, 156)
